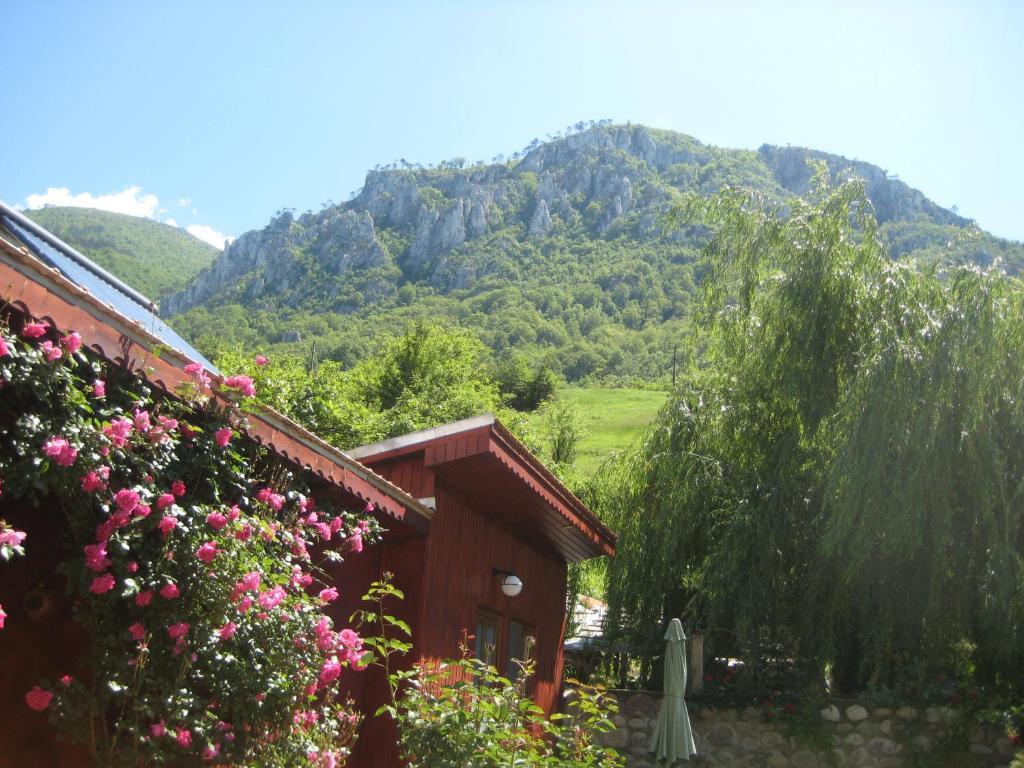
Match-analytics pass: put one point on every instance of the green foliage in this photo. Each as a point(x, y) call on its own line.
point(839, 473)
point(562, 430)
point(164, 494)
point(425, 376)
point(152, 257)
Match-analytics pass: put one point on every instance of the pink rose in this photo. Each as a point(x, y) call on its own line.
point(244, 533)
point(4, 349)
point(72, 342)
point(141, 421)
point(38, 699)
point(329, 595)
point(227, 631)
point(138, 632)
point(223, 436)
point(261, 360)
point(184, 738)
point(198, 375)
point(3, 617)
point(34, 330)
point(207, 552)
point(158, 729)
point(144, 598)
point(176, 631)
point(11, 538)
point(178, 488)
point(251, 581)
point(330, 671)
point(169, 591)
point(119, 430)
point(272, 598)
point(102, 584)
point(216, 520)
point(92, 483)
point(126, 500)
point(356, 542)
point(99, 388)
point(50, 351)
point(167, 524)
point(242, 383)
point(96, 557)
point(211, 751)
point(60, 450)
point(165, 500)
point(350, 639)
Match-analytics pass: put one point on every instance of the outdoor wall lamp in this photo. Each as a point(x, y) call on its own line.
point(511, 584)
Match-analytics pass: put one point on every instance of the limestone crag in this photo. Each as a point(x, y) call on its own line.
point(451, 226)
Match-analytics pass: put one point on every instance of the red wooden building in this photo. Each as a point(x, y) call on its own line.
point(465, 506)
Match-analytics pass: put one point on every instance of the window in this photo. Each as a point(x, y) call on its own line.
point(521, 640)
point(487, 637)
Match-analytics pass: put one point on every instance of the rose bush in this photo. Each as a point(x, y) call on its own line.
point(196, 566)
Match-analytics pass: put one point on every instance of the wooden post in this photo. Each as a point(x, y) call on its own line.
point(696, 663)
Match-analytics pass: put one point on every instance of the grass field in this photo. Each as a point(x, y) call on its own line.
point(612, 419)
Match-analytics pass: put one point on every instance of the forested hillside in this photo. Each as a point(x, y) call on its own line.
point(557, 255)
point(559, 252)
point(152, 257)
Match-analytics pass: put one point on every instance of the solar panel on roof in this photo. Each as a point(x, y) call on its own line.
point(74, 268)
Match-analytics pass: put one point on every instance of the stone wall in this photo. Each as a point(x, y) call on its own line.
point(861, 737)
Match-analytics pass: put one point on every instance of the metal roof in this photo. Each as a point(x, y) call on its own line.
point(91, 277)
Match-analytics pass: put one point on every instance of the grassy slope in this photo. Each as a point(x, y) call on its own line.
point(612, 418)
point(153, 258)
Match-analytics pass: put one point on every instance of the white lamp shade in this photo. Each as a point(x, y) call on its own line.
point(511, 585)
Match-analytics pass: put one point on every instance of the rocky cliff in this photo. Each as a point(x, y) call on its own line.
point(450, 226)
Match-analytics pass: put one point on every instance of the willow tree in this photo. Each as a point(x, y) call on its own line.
point(772, 489)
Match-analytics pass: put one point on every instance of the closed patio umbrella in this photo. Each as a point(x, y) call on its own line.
point(673, 738)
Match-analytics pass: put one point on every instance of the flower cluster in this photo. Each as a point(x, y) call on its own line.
point(197, 575)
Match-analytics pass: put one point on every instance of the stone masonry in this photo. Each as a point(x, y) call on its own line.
point(861, 737)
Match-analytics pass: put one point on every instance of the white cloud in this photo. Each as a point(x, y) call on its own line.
point(130, 200)
point(208, 234)
point(170, 222)
point(184, 202)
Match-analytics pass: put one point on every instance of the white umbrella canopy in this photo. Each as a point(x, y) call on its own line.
point(673, 739)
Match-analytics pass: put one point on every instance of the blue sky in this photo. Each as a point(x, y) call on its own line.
point(217, 114)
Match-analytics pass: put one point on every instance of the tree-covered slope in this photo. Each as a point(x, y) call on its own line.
point(155, 258)
point(559, 252)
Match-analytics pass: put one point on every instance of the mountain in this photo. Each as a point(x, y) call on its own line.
point(557, 254)
point(155, 258)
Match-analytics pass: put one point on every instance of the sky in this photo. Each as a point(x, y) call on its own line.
point(212, 116)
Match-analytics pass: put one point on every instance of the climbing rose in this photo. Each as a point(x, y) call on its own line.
point(178, 630)
point(217, 520)
point(72, 342)
point(227, 631)
point(271, 598)
point(330, 671)
point(198, 374)
point(38, 699)
point(169, 591)
point(50, 351)
point(4, 349)
point(329, 595)
point(61, 451)
point(273, 500)
point(127, 500)
point(102, 584)
point(211, 751)
point(356, 541)
point(183, 737)
point(165, 500)
point(137, 631)
point(11, 538)
point(166, 524)
point(158, 729)
point(251, 581)
point(99, 388)
point(3, 617)
point(34, 330)
point(92, 482)
point(261, 360)
point(142, 421)
point(242, 383)
point(178, 488)
point(207, 552)
point(96, 557)
point(118, 431)
point(144, 598)
point(223, 436)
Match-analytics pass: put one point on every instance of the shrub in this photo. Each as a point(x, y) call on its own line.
point(196, 582)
